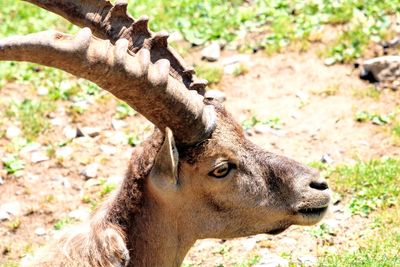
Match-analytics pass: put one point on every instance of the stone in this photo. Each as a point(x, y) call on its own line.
point(29, 149)
point(109, 150)
point(91, 131)
point(212, 52)
point(39, 156)
point(13, 132)
point(308, 260)
point(287, 241)
point(40, 231)
point(235, 59)
point(4, 216)
point(70, 132)
point(1, 180)
point(118, 124)
point(64, 152)
point(115, 179)
point(216, 94)
point(42, 91)
point(90, 171)
point(12, 208)
point(81, 214)
point(272, 260)
point(327, 159)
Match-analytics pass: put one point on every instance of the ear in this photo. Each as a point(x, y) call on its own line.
point(164, 174)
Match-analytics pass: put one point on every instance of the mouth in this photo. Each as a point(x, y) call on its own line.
point(313, 212)
point(276, 231)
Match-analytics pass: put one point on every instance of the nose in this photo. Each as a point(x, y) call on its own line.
point(319, 185)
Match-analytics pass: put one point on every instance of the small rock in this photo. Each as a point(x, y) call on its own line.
point(80, 214)
point(4, 216)
point(57, 121)
point(327, 159)
point(42, 91)
point(1, 181)
point(70, 132)
point(29, 148)
point(216, 94)
point(37, 157)
point(303, 96)
point(261, 129)
point(91, 131)
point(116, 179)
point(40, 231)
point(64, 152)
point(308, 260)
point(13, 132)
point(329, 61)
point(272, 260)
point(91, 183)
point(12, 208)
point(211, 52)
point(118, 124)
point(90, 171)
point(332, 224)
point(249, 244)
point(109, 150)
point(230, 69)
point(235, 59)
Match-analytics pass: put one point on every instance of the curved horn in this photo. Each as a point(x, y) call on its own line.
point(146, 87)
point(112, 22)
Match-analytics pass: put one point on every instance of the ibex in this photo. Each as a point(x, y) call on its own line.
point(196, 177)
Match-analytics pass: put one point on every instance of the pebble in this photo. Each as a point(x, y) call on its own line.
point(91, 131)
point(249, 244)
point(109, 150)
point(81, 214)
point(37, 157)
point(90, 171)
point(64, 152)
point(12, 208)
point(70, 132)
point(13, 132)
point(4, 216)
point(235, 59)
point(42, 91)
point(287, 241)
point(272, 260)
point(308, 260)
point(40, 231)
point(29, 148)
point(1, 181)
point(118, 124)
point(212, 52)
point(216, 94)
point(115, 179)
point(327, 159)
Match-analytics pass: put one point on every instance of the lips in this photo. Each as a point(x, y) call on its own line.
point(313, 212)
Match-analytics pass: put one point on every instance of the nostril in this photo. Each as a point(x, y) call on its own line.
point(319, 185)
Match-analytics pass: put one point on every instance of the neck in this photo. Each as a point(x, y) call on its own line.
point(154, 235)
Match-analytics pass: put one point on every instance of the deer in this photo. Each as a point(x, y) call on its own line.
point(197, 176)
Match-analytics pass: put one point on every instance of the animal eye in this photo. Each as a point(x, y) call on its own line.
point(222, 170)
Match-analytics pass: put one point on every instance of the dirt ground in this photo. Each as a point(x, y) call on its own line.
point(315, 103)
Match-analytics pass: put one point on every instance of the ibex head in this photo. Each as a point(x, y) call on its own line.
point(202, 171)
point(230, 187)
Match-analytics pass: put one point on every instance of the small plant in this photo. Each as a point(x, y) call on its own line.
point(32, 115)
point(13, 165)
point(60, 224)
point(14, 224)
point(106, 187)
point(376, 119)
point(213, 74)
point(274, 123)
point(133, 139)
point(322, 231)
point(123, 111)
point(240, 69)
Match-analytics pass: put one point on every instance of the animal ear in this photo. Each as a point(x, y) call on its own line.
point(164, 174)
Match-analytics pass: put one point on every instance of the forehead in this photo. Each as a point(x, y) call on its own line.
point(227, 140)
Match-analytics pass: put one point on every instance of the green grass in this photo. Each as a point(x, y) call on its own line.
point(379, 248)
point(372, 185)
point(32, 115)
point(213, 74)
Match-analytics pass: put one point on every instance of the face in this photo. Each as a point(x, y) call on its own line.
point(232, 188)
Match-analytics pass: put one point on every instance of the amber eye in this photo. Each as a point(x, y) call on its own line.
point(222, 170)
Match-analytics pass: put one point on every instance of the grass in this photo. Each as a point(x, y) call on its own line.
point(372, 185)
point(213, 74)
point(32, 115)
point(379, 248)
